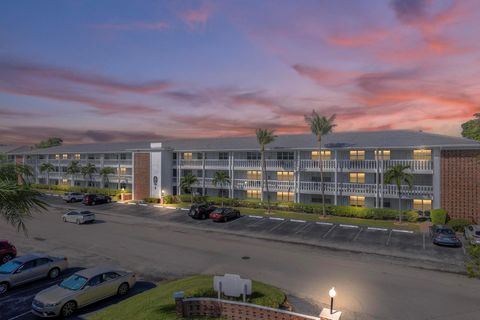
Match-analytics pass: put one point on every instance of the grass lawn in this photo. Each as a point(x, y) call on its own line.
point(158, 303)
point(317, 217)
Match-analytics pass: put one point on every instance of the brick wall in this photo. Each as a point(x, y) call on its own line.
point(141, 176)
point(195, 307)
point(460, 183)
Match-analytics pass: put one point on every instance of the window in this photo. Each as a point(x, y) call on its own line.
point(422, 205)
point(253, 156)
point(174, 156)
point(77, 156)
point(64, 156)
point(285, 175)
point(91, 157)
point(357, 177)
point(199, 156)
point(357, 154)
point(123, 171)
point(27, 265)
point(285, 196)
point(254, 175)
point(318, 199)
point(253, 194)
point(422, 154)
point(326, 155)
point(41, 157)
point(386, 204)
point(42, 261)
point(123, 156)
point(95, 281)
point(110, 276)
point(382, 154)
point(223, 193)
point(357, 201)
point(174, 173)
point(285, 156)
point(187, 156)
point(223, 156)
point(318, 179)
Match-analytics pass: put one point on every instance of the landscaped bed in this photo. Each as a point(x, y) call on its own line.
point(158, 303)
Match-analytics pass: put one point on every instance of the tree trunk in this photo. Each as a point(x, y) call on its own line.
point(48, 180)
point(266, 183)
point(320, 165)
point(399, 205)
point(262, 180)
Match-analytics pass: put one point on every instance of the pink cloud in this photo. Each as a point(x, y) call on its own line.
point(325, 76)
point(197, 17)
point(133, 26)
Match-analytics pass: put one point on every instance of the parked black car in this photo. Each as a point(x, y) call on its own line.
point(201, 211)
point(93, 199)
point(444, 235)
point(224, 214)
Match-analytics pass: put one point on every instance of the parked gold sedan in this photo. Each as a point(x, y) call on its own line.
point(81, 289)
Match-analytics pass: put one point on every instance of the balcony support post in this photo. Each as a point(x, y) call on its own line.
point(231, 173)
point(179, 188)
point(203, 173)
point(382, 169)
point(436, 178)
point(296, 177)
point(377, 157)
point(335, 199)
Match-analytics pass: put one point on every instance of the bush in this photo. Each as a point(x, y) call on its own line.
point(65, 188)
point(152, 200)
point(438, 216)
point(412, 216)
point(458, 225)
point(169, 199)
point(473, 263)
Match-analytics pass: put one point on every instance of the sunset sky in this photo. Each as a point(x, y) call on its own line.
point(95, 71)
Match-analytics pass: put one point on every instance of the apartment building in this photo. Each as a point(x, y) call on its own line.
point(446, 169)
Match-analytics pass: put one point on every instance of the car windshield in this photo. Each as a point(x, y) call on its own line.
point(446, 231)
point(74, 282)
point(9, 267)
point(219, 210)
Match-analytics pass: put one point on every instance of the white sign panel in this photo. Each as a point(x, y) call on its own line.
point(232, 285)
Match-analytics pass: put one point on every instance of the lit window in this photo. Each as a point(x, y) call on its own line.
point(254, 175)
point(64, 181)
point(57, 156)
point(422, 205)
point(253, 194)
point(382, 154)
point(64, 156)
point(285, 196)
point(285, 175)
point(357, 177)
point(357, 201)
point(422, 154)
point(357, 155)
point(187, 156)
point(123, 171)
point(326, 155)
point(77, 156)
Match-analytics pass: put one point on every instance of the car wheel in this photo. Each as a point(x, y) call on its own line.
point(7, 258)
point(123, 289)
point(93, 203)
point(54, 273)
point(68, 309)
point(109, 200)
point(73, 200)
point(3, 287)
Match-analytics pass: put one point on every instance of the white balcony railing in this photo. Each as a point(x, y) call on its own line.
point(191, 163)
point(415, 165)
point(328, 165)
point(216, 163)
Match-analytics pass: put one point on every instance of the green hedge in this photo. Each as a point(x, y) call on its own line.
point(152, 200)
point(108, 192)
point(458, 225)
point(438, 216)
point(412, 216)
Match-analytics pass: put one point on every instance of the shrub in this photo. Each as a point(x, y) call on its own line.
point(169, 199)
point(473, 264)
point(65, 188)
point(412, 216)
point(152, 200)
point(458, 225)
point(438, 216)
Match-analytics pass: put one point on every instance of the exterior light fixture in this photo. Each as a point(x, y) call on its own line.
point(332, 293)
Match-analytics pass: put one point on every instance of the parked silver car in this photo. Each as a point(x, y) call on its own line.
point(29, 268)
point(472, 234)
point(81, 289)
point(72, 196)
point(78, 217)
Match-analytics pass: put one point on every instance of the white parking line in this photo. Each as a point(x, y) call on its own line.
point(348, 226)
point(277, 226)
point(170, 207)
point(305, 226)
point(143, 204)
point(358, 233)
point(296, 220)
point(184, 209)
point(20, 315)
point(256, 217)
point(329, 230)
point(402, 231)
point(274, 218)
point(324, 223)
point(377, 229)
point(132, 203)
point(389, 236)
point(158, 206)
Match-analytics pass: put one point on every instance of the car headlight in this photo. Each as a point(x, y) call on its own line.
point(48, 305)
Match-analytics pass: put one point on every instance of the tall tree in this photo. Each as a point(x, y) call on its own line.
point(221, 178)
point(73, 169)
point(88, 171)
point(50, 142)
point(320, 127)
point(264, 137)
point(187, 182)
point(399, 176)
point(24, 172)
point(47, 167)
point(471, 128)
point(105, 172)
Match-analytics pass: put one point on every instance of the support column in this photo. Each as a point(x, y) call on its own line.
point(231, 166)
point(296, 176)
point(179, 171)
point(436, 203)
point(377, 157)
point(203, 173)
point(336, 178)
point(382, 170)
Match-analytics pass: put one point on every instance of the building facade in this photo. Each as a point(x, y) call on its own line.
point(446, 169)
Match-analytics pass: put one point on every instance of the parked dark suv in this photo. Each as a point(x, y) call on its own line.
point(93, 199)
point(201, 211)
point(7, 251)
point(444, 235)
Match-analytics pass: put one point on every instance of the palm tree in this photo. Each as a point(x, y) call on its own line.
point(24, 172)
point(320, 126)
point(88, 171)
point(73, 169)
point(105, 172)
point(264, 137)
point(47, 167)
point(398, 175)
point(221, 178)
point(186, 184)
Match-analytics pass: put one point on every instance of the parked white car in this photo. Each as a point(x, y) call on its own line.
point(472, 234)
point(72, 196)
point(79, 217)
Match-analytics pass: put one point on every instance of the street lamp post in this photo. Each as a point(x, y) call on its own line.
point(332, 293)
